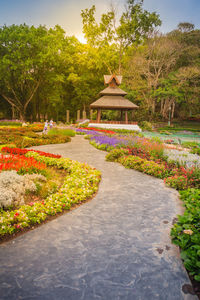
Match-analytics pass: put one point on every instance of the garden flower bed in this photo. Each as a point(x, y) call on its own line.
point(106, 131)
point(186, 232)
point(24, 151)
point(21, 164)
point(80, 183)
point(27, 137)
point(151, 158)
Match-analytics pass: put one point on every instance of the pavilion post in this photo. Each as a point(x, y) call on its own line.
point(121, 119)
point(126, 116)
point(98, 115)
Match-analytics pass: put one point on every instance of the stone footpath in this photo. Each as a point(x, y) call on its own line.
point(115, 247)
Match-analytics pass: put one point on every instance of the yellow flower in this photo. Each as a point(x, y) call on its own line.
point(188, 231)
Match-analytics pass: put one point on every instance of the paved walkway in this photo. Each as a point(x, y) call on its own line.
point(116, 246)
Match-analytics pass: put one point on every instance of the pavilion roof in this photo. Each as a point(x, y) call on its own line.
point(113, 91)
point(113, 102)
point(109, 78)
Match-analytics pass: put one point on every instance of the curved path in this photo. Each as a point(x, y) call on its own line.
point(116, 246)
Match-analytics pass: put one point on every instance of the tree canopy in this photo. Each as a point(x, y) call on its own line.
point(44, 72)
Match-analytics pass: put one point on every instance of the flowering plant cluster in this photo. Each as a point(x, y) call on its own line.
point(104, 142)
point(138, 146)
point(145, 148)
point(98, 130)
point(115, 154)
point(83, 131)
point(186, 232)
point(21, 164)
point(80, 183)
point(183, 178)
point(24, 137)
point(151, 158)
point(24, 151)
point(177, 176)
point(143, 165)
point(13, 187)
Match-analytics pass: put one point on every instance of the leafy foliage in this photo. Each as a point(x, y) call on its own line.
point(186, 232)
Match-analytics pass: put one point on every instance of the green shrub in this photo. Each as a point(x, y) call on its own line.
point(115, 154)
point(186, 232)
point(143, 165)
point(132, 162)
point(183, 178)
point(191, 145)
point(195, 151)
point(156, 139)
point(178, 182)
point(144, 125)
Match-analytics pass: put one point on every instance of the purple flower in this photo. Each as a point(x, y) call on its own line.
point(89, 132)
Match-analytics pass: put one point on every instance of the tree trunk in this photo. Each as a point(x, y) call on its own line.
point(13, 112)
point(173, 109)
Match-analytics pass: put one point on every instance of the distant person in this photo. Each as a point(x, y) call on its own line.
point(51, 124)
point(45, 127)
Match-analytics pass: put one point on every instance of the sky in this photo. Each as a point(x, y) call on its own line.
point(66, 13)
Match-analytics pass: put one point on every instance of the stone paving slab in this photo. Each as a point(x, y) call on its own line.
point(115, 247)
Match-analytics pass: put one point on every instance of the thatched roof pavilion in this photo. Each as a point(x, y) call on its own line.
point(113, 98)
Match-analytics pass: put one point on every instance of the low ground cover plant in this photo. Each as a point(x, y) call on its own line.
point(115, 154)
point(144, 125)
point(186, 232)
point(143, 165)
point(193, 146)
point(80, 182)
point(25, 137)
point(61, 132)
point(10, 123)
point(14, 187)
point(183, 178)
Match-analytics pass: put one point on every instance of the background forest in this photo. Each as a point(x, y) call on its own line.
point(44, 72)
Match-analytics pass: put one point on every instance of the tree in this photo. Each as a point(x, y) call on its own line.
point(148, 64)
point(185, 27)
point(135, 24)
point(28, 55)
point(188, 81)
